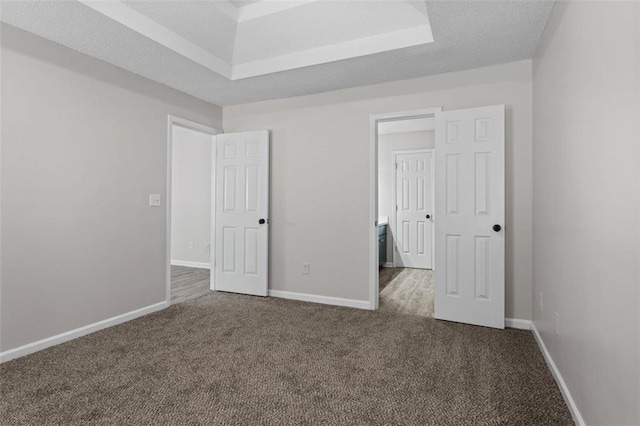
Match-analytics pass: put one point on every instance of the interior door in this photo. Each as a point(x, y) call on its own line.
point(242, 213)
point(414, 209)
point(470, 230)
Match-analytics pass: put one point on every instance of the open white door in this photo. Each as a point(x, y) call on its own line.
point(469, 216)
point(242, 213)
point(414, 209)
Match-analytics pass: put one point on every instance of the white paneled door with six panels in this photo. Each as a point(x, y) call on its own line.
point(414, 209)
point(242, 213)
point(470, 234)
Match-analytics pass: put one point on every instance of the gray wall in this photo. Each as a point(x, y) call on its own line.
point(190, 196)
point(387, 143)
point(586, 204)
point(320, 175)
point(83, 145)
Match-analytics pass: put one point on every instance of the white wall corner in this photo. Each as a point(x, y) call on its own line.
point(564, 390)
point(39, 345)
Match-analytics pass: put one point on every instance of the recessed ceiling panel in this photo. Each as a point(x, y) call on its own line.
point(271, 35)
point(321, 23)
point(240, 3)
point(200, 22)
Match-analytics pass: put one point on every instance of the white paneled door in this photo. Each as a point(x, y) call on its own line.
point(414, 209)
point(242, 213)
point(470, 234)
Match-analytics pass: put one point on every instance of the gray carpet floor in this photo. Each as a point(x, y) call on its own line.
point(227, 359)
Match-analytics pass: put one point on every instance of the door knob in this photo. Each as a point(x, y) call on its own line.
point(262, 221)
point(428, 216)
point(497, 228)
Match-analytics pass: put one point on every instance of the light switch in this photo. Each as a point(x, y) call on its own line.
point(155, 200)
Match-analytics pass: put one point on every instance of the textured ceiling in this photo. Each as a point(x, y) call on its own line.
point(272, 35)
point(467, 34)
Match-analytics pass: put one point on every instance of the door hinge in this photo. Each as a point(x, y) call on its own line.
point(396, 166)
point(396, 207)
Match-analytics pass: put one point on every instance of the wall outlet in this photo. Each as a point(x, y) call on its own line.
point(192, 245)
point(155, 200)
point(541, 302)
point(305, 268)
point(557, 320)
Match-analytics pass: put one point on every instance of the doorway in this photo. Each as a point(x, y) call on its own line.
point(191, 148)
point(405, 215)
point(466, 282)
point(412, 200)
point(225, 246)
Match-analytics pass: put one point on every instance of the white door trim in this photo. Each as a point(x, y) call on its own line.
point(373, 188)
point(394, 212)
point(191, 125)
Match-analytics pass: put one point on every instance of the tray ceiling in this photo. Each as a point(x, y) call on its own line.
point(241, 40)
point(235, 51)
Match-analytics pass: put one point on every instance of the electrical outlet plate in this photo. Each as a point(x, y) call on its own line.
point(305, 268)
point(155, 200)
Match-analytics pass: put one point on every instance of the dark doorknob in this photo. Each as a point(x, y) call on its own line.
point(262, 221)
point(497, 228)
point(428, 216)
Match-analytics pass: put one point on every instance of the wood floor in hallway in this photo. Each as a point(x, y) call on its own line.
point(402, 290)
point(188, 283)
point(407, 291)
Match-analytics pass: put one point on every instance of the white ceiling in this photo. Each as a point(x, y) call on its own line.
point(235, 51)
point(271, 35)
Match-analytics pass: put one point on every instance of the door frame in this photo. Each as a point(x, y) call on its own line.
point(394, 212)
point(201, 128)
point(373, 189)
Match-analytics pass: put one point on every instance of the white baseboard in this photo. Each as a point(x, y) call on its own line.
point(188, 263)
point(326, 300)
point(78, 332)
point(520, 324)
point(564, 390)
point(388, 265)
